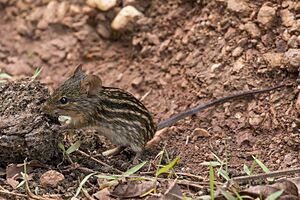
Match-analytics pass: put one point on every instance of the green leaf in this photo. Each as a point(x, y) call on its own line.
point(20, 184)
point(264, 168)
point(83, 182)
point(213, 163)
point(134, 169)
point(227, 195)
point(167, 167)
point(224, 174)
point(211, 181)
point(62, 147)
point(275, 195)
point(73, 148)
point(5, 75)
point(219, 160)
point(247, 170)
point(36, 73)
point(115, 177)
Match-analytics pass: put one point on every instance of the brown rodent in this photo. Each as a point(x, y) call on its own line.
point(113, 112)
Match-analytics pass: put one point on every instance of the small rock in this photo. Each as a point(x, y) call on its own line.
point(43, 24)
point(19, 68)
point(255, 120)
point(266, 15)
point(281, 46)
point(287, 18)
point(252, 29)
point(51, 178)
point(298, 102)
point(297, 7)
point(179, 56)
point(243, 42)
point(62, 10)
point(137, 81)
point(238, 65)
point(105, 5)
point(215, 66)
point(129, 2)
point(237, 51)
point(292, 42)
point(199, 132)
point(103, 31)
point(239, 6)
point(126, 15)
point(174, 71)
point(274, 59)
point(293, 57)
point(153, 38)
point(244, 138)
point(91, 3)
point(288, 158)
point(50, 12)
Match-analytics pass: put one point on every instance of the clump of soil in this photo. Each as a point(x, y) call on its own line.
point(24, 132)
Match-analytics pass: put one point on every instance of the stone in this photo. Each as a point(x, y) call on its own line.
point(103, 31)
point(266, 15)
point(237, 51)
point(287, 18)
point(50, 12)
point(127, 14)
point(51, 178)
point(238, 6)
point(252, 29)
point(293, 57)
point(62, 10)
point(298, 102)
point(105, 5)
point(18, 68)
point(274, 59)
point(292, 42)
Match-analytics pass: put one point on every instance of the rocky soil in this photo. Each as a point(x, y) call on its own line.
point(180, 54)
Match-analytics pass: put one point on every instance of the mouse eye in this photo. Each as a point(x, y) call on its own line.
point(63, 100)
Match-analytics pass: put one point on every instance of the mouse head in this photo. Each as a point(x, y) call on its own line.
point(74, 95)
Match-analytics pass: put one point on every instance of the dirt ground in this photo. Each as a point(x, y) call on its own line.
point(182, 53)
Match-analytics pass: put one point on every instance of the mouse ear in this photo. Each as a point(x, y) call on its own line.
point(78, 70)
point(91, 85)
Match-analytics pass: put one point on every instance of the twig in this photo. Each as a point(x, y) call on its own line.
point(268, 175)
point(145, 95)
point(4, 191)
point(87, 195)
point(200, 178)
point(99, 161)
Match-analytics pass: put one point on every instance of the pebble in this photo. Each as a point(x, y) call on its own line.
point(62, 10)
point(252, 29)
point(237, 51)
point(287, 18)
point(293, 57)
point(50, 12)
point(292, 42)
point(18, 68)
point(199, 132)
point(126, 15)
point(274, 59)
point(105, 5)
point(103, 31)
point(298, 102)
point(51, 178)
point(137, 81)
point(239, 6)
point(266, 15)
